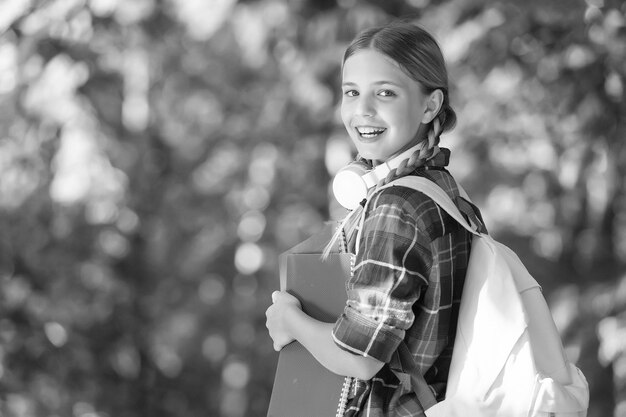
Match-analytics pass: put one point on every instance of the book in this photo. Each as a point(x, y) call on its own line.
point(302, 386)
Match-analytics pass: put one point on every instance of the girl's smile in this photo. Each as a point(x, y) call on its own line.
point(369, 133)
point(382, 107)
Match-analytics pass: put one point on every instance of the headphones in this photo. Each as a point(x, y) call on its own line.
point(352, 182)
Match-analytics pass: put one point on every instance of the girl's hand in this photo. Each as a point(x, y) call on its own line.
point(284, 305)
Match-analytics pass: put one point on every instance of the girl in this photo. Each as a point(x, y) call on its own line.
point(399, 323)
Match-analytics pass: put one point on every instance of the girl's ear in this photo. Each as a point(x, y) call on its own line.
point(433, 105)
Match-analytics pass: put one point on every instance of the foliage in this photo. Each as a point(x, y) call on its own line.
point(156, 156)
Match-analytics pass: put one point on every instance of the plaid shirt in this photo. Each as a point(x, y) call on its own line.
point(406, 287)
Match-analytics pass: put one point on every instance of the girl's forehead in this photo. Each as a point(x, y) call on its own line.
point(370, 63)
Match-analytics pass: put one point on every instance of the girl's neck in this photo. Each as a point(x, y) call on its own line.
point(405, 153)
point(418, 139)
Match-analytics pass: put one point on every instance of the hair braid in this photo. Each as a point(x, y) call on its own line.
point(420, 156)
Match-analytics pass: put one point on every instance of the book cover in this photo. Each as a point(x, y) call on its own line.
point(302, 386)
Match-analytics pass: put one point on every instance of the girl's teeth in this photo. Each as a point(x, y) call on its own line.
point(369, 132)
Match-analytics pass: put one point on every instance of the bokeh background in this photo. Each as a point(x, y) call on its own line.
point(157, 155)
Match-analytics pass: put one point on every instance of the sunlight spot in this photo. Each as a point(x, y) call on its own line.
point(548, 68)
point(19, 406)
point(96, 277)
point(135, 111)
point(308, 91)
point(102, 8)
point(251, 226)
point(256, 197)
point(248, 258)
point(8, 67)
point(599, 184)
point(262, 168)
point(338, 153)
point(113, 244)
point(127, 220)
point(126, 361)
point(570, 168)
point(251, 34)
point(82, 170)
point(236, 374)
point(84, 409)
point(53, 94)
point(101, 212)
point(129, 12)
point(614, 21)
point(135, 107)
point(206, 245)
point(578, 56)
point(202, 18)
point(614, 86)
point(611, 332)
point(507, 206)
point(234, 403)
point(564, 306)
point(592, 14)
point(10, 11)
point(548, 244)
point(214, 348)
point(540, 149)
point(16, 291)
point(620, 408)
point(503, 81)
point(458, 42)
point(57, 335)
point(168, 361)
point(213, 174)
point(418, 4)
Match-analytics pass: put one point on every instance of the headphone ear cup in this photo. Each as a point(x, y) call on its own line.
point(349, 187)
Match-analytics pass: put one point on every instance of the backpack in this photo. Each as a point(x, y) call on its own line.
point(508, 359)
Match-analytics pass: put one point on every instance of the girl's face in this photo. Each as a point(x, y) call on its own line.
point(382, 107)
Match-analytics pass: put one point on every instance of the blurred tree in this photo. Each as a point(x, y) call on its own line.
point(156, 156)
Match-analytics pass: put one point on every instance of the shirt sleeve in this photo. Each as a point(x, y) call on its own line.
point(391, 271)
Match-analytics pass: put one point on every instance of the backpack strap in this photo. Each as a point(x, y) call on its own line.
point(439, 196)
point(410, 377)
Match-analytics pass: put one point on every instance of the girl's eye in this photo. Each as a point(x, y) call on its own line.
point(351, 93)
point(386, 93)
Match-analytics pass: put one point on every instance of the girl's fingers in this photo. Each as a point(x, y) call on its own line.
point(286, 298)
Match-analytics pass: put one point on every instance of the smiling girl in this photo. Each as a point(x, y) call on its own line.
point(399, 323)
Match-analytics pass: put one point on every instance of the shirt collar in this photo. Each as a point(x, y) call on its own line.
point(442, 159)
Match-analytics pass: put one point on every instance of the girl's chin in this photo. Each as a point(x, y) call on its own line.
point(373, 156)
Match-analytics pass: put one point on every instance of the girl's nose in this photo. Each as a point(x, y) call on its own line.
point(365, 106)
